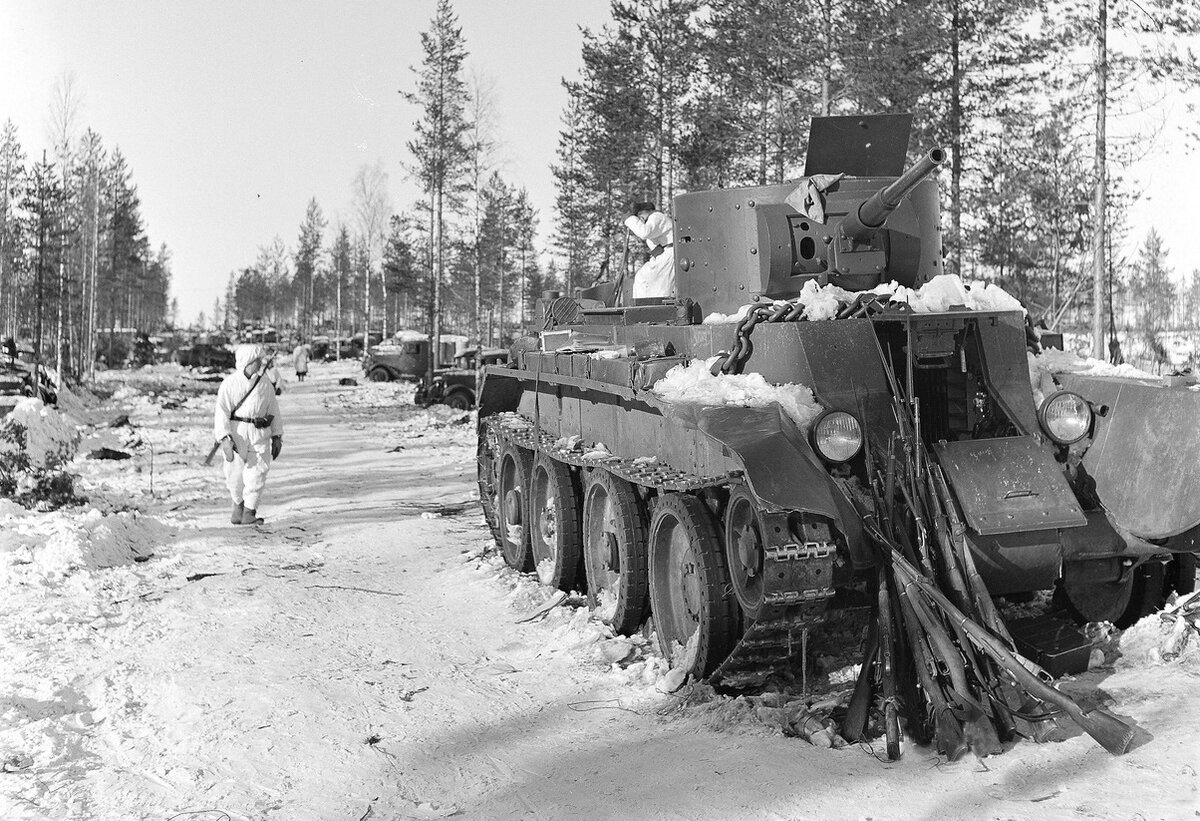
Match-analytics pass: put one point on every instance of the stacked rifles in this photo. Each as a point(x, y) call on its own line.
point(938, 652)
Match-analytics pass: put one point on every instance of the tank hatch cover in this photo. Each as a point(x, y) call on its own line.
point(1009, 485)
point(873, 145)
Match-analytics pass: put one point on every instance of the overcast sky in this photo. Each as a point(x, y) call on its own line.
point(232, 115)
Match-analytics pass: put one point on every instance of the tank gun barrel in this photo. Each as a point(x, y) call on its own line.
point(871, 213)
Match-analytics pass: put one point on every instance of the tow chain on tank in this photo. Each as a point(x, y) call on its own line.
point(785, 311)
point(797, 572)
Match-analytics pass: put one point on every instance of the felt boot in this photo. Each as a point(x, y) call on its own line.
point(250, 517)
point(236, 516)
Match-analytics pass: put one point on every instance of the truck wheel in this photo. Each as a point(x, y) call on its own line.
point(695, 618)
point(554, 523)
point(614, 552)
point(379, 374)
point(512, 487)
point(744, 551)
point(459, 400)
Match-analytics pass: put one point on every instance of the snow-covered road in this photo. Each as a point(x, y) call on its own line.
point(360, 656)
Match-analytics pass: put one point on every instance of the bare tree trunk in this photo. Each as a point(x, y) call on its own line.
point(435, 337)
point(956, 125)
point(1100, 218)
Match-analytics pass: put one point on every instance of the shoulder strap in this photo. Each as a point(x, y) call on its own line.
point(246, 396)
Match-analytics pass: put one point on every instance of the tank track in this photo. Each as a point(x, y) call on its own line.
point(797, 576)
point(797, 588)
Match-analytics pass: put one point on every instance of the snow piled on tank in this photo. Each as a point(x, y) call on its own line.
point(938, 294)
point(694, 384)
point(947, 290)
point(1043, 367)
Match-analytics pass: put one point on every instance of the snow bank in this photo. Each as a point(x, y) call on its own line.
point(53, 546)
point(1169, 637)
point(938, 294)
point(694, 384)
point(96, 542)
point(41, 434)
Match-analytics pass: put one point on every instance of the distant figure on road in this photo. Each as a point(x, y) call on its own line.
point(300, 360)
point(249, 429)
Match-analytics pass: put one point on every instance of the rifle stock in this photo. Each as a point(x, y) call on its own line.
point(1109, 731)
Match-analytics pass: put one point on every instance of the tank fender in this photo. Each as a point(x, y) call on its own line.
point(1144, 455)
point(498, 392)
point(778, 463)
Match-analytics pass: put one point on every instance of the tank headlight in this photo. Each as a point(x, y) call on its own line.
point(1066, 417)
point(837, 436)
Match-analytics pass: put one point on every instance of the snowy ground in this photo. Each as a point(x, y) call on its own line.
point(361, 656)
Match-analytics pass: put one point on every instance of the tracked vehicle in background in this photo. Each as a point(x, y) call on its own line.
point(734, 528)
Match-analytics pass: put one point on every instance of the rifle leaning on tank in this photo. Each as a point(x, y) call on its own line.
point(961, 650)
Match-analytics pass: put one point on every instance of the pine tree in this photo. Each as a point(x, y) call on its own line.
point(440, 148)
point(308, 254)
point(12, 191)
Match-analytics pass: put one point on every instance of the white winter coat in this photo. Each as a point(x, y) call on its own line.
point(300, 358)
point(261, 402)
point(656, 278)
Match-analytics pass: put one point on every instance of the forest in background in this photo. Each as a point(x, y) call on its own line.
point(671, 96)
point(76, 261)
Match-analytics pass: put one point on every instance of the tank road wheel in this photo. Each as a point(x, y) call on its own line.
point(744, 551)
point(554, 523)
point(512, 484)
point(696, 620)
point(614, 552)
point(487, 458)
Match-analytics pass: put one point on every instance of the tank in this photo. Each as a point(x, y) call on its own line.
point(734, 529)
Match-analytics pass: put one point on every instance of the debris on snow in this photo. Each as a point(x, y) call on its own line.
point(1169, 637)
point(109, 453)
point(694, 384)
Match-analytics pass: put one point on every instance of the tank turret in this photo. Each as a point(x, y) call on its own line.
point(734, 246)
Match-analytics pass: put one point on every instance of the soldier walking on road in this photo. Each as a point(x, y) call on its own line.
point(300, 360)
point(248, 427)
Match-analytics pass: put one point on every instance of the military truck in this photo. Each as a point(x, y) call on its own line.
point(734, 526)
point(455, 386)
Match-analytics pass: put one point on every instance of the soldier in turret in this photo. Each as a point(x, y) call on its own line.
point(656, 278)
